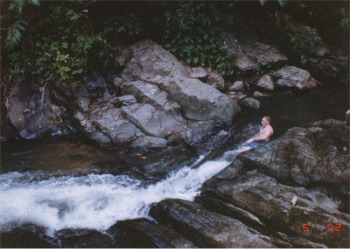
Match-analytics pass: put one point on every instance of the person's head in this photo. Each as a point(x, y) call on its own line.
point(266, 120)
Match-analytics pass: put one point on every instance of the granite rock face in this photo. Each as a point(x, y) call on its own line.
point(313, 155)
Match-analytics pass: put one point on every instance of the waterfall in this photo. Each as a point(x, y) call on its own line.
point(93, 201)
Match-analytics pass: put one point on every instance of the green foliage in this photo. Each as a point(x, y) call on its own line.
point(14, 33)
point(192, 33)
point(17, 24)
point(304, 23)
point(303, 41)
point(64, 40)
point(63, 44)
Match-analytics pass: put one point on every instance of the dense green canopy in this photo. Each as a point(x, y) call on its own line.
point(65, 40)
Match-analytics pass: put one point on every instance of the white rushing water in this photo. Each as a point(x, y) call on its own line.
point(93, 201)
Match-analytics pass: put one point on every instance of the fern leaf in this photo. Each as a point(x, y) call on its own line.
point(14, 33)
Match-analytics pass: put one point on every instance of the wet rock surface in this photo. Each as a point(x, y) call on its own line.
point(269, 211)
point(270, 203)
point(317, 154)
point(205, 228)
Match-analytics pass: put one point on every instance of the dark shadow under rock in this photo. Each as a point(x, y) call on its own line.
point(150, 234)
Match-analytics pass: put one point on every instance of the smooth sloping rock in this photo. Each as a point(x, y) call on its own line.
point(312, 155)
point(199, 101)
point(207, 229)
point(294, 78)
point(270, 201)
point(154, 122)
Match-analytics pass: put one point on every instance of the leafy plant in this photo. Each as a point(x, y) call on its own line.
point(62, 43)
point(192, 33)
point(14, 33)
point(16, 25)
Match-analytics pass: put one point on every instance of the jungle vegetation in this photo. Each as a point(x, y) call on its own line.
point(66, 40)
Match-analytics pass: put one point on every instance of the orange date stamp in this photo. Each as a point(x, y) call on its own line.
point(331, 227)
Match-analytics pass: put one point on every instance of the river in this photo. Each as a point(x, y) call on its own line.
point(63, 183)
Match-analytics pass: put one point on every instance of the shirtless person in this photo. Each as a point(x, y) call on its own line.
point(263, 135)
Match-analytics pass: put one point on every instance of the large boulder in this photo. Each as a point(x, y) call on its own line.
point(199, 101)
point(262, 201)
point(105, 123)
point(294, 78)
point(317, 154)
point(242, 61)
point(263, 54)
point(32, 113)
point(266, 83)
point(205, 228)
point(202, 102)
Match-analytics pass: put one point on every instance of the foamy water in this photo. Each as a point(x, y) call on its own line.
point(92, 201)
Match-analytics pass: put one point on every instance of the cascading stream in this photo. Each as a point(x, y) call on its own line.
point(93, 201)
